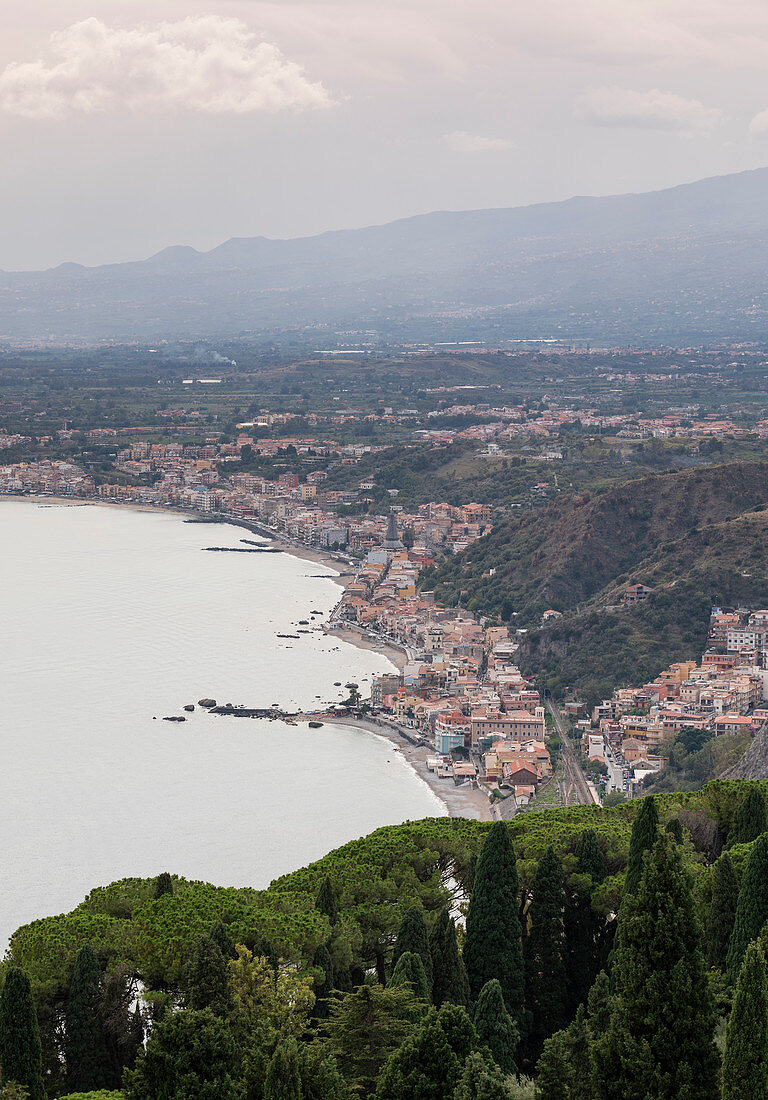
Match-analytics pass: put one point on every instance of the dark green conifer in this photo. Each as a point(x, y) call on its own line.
point(675, 829)
point(645, 829)
point(20, 1050)
point(600, 1004)
point(745, 1064)
point(222, 938)
point(581, 923)
point(749, 821)
point(449, 975)
point(722, 911)
point(283, 1081)
point(492, 948)
point(208, 979)
point(163, 884)
point(459, 1029)
point(325, 901)
point(751, 908)
point(481, 1079)
point(190, 1056)
point(413, 936)
point(659, 1044)
point(424, 1068)
point(410, 971)
point(86, 1052)
point(495, 1027)
point(544, 950)
point(589, 856)
point(564, 1069)
point(324, 988)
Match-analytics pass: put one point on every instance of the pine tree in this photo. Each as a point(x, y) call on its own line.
point(481, 1080)
point(745, 1064)
point(424, 1068)
point(87, 1058)
point(722, 911)
point(366, 1026)
point(410, 971)
point(163, 884)
point(659, 1044)
point(544, 949)
point(283, 1081)
point(223, 940)
point(208, 979)
point(449, 974)
point(749, 821)
point(20, 1050)
point(325, 901)
point(751, 908)
point(645, 830)
point(413, 936)
point(495, 1027)
point(492, 948)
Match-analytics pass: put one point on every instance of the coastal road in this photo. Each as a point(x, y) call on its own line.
point(574, 783)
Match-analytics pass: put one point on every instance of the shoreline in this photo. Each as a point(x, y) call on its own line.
point(460, 801)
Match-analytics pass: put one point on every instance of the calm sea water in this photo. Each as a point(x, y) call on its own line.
point(112, 619)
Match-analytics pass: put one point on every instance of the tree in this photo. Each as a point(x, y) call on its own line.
point(412, 936)
point(283, 1081)
point(589, 856)
point(722, 911)
point(20, 1050)
point(163, 884)
point(409, 971)
point(208, 979)
point(544, 950)
point(492, 948)
point(86, 1054)
point(659, 1043)
point(675, 829)
point(745, 1064)
point(191, 1056)
point(325, 901)
point(480, 1080)
point(749, 821)
point(495, 1027)
point(580, 922)
point(424, 1068)
point(366, 1026)
point(450, 981)
point(223, 940)
point(323, 987)
point(645, 830)
point(320, 1077)
point(751, 908)
point(263, 1000)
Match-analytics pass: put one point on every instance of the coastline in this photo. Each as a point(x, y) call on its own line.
point(460, 801)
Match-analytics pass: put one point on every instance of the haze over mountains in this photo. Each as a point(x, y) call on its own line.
point(688, 264)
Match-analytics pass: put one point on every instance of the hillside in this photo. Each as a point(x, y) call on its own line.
point(699, 537)
point(688, 262)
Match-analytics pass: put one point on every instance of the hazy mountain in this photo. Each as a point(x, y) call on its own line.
point(686, 263)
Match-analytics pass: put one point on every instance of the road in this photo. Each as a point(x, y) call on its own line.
point(573, 784)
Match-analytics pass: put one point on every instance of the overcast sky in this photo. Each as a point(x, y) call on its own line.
point(128, 125)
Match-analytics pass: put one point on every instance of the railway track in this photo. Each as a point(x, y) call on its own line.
point(573, 785)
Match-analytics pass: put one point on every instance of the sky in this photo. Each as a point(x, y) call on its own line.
point(127, 126)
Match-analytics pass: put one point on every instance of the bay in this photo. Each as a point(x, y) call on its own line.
point(112, 619)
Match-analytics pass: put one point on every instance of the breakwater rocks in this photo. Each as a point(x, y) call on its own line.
point(243, 549)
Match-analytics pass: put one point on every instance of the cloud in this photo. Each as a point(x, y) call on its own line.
point(758, 127)
point(654, 110)
point(462, 142)
point(204, 63)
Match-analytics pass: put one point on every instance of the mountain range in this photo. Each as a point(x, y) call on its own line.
point(688, 264)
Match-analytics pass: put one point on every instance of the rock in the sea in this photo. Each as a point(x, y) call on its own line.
point(175, 718)
point(189, 707)
point(206, 702)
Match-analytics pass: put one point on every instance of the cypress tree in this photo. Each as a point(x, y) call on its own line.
point(223, 940)
point(458, 1028)
point(190, 1055)
point(495, 1027)
point(424, 1068)
point(325, 901)
point(749, 820)
point(163, 884)
point(208, 979)
point(20, 1050)
point(324, 989)
point(745, 1064)
point(492, 948)
point(449, 975)
point(86, 1053)
point(751, 908)
point(659, 1044)
point(544, 949)
point(722, 911)
point(600, 1004)
point(413, 936)
point(481, 1080)
point(581, 923)
point(283, 1081)
point(675, 829)
point(645, 830)
point(589, 856)
point(410, 971)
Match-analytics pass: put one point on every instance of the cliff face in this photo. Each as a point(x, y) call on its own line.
point(754, 762)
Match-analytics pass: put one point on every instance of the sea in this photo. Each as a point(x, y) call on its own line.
point(113, 619)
